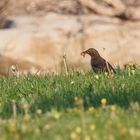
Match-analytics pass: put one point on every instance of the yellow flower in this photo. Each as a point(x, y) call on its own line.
point(73, 135)
point(138, 133)
point(103, 101)
point(11, 126)
point(37, 130)
point(75, 98)
point(87, 138)
point(90, 109)
point(97, 77)
point(121, 128)
point(106, 73)
point(75, 109)
point(131, 64)
point(47, 127)
point(133, 72)
point(110, 137)
point(92, 127)
point(72, 82)
point(25, 106)
point(56, 115)
point(78, 129)
point(132, 131)
point(39, 112)
point(113, 108)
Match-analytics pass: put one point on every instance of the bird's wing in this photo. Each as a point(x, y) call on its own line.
point(98, 63)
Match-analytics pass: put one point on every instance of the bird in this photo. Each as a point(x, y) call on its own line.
point(98, 63)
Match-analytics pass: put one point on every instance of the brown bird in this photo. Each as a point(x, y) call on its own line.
point(98, 63)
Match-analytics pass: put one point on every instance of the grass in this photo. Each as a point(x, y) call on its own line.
point(77, 106)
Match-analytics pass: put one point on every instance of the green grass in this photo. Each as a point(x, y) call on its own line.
point(46, 109)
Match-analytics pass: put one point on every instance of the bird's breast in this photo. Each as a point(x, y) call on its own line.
point(95, 62)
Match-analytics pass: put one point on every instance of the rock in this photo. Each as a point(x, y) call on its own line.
point(23, 66)
point(45, 52)
point(40, 42)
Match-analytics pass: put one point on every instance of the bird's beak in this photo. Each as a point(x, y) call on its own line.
point(83, 53)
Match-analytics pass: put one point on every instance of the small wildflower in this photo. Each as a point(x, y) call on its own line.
point(133, 72)
point(132, 131)
point(39, 112)
point(73, 135)
point(72, 82)
point(11, 126)
point(75, 109)
point(103, 101)
point(110, 137)
point(97, 77)
point(75, 98)
point(56, 114)
point(121, 128)
point(106, 73)
point(87, 138)
point(113, 108)
point(25, 106)
point(130, 64)
point(90, 109)
point(37, 130)
point(47, 127)
point(78, 129)
point(92, 127)
point(137, 133)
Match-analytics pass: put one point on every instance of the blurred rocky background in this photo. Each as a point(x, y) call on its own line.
point(43, 36)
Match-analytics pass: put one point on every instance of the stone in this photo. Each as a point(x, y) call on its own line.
point(39, 43)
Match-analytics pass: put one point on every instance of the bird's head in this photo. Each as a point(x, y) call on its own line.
point(91, 51)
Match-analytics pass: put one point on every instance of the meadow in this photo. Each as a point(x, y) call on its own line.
point(76, 106)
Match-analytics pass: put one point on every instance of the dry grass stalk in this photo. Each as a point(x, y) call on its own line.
point(13, 70)
point(14, 109)
point(65, 63)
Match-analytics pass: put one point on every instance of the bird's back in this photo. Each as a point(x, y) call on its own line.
point(100, 64)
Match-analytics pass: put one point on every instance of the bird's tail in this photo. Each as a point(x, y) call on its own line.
point(111, 68)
